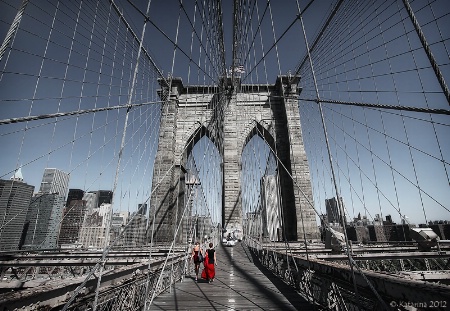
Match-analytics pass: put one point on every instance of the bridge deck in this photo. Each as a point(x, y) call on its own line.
point(241, 284)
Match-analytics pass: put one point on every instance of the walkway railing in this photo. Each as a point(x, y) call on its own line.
point(123, 288)
point(131, 294)
point(331, 285)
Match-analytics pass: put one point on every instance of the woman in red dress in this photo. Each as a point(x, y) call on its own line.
point(210, 261)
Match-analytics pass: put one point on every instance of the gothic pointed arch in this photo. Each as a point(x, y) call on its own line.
point(230, 120)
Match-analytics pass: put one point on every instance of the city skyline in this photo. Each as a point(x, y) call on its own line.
point(396, 163)
point(305, 139)
point(49, 222)
point(348, 216)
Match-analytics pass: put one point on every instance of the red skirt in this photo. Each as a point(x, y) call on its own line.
point(209, 272)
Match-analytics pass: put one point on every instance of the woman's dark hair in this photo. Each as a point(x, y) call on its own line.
point(210, 245)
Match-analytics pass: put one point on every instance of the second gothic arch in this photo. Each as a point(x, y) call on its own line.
point(276, 120)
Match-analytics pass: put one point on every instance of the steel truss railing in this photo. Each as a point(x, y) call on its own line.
point(330, 284)
point(122, 289)
point(131, 294)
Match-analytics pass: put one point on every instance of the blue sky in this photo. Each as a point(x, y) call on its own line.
point(370, 54)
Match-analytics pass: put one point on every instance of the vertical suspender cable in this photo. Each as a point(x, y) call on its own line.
point(414, 164)
point(340, 207)
point(109, 215)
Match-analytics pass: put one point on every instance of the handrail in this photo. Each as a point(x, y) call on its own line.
point(316, 275)
point(127, 279)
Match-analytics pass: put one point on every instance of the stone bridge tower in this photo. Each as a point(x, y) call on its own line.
point(230, 121)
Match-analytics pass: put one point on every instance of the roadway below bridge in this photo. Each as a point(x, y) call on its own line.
point(241, 283)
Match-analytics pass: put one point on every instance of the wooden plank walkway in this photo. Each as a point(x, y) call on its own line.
point(241, 284)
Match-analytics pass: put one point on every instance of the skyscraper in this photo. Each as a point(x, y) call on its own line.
point(332, 208)
point(45, 213)
point(74, 194)
point(15, 196)
point(54, 181)
point(93, 231)
point(42, 221)
point(91, 202)
point(73, 218)
point(142, 209)
point(104, 196)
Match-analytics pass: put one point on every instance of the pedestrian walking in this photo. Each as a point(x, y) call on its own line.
point(210, 262)
point(197, 257)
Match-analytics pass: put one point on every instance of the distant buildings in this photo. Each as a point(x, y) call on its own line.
point(55, 181)
point(125, 230)
point(135, 234)
point(142, 209)
point(93, 232)
point(73, 218)
point(94, 229)
point(119, 219)
point(91, 201)
point(48, 219)
point(376, 233)
point(42, 222)
point(46, 210)
point(377, 230)
point(15, 197)
point(332, 208)
point(74, 195)
point(118, 222)
point(332, 218)
point(441, 228)
point(103, 196)
point(60, 217)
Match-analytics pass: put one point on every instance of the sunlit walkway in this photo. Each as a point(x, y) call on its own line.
point(240, 284)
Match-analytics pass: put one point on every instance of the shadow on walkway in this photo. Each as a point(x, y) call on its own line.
point(284, 289)
point(241, 283)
